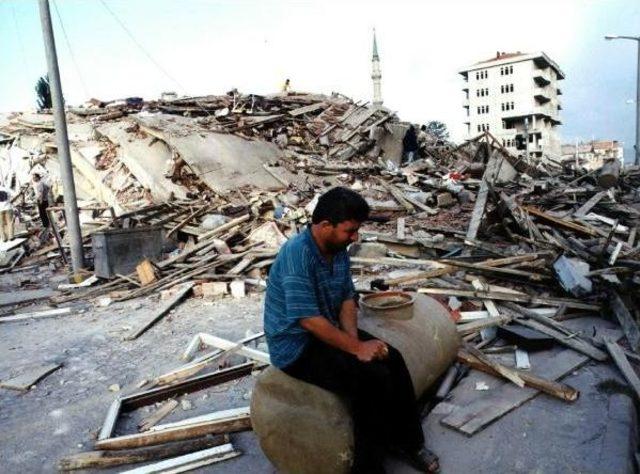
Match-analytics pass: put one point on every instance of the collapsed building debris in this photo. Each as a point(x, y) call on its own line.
point(503, 243)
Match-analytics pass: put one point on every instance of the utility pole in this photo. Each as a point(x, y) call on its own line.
point(66, 171)
point(636, 160)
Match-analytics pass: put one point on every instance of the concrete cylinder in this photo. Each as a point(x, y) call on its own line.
point(304, 429)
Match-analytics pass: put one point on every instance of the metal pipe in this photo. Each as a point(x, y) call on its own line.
point(66, 170)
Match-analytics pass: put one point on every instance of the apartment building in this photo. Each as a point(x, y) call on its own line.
point(516, 97)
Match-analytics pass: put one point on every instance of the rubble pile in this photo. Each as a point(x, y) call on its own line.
point(507, 245)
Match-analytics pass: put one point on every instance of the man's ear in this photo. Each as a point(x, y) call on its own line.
point(325, 225)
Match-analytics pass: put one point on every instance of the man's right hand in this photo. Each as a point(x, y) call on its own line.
point(370, 350)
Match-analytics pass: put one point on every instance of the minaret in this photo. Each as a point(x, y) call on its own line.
point(376, 75)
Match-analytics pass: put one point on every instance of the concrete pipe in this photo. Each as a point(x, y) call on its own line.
point(304, 429)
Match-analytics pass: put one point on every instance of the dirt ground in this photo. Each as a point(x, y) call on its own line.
point(63, 413)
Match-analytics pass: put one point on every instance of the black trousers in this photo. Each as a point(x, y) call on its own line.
point(380, 393)
point(42, 211)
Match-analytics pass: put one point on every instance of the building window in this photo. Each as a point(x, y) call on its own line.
point(512, 106)
point(511, 88)
point(502, 89)
point(477, 76)
point(486, 91)
point(502, 71)
point(477, 92)
point(478, 128)
point(510, 69)
point(487, 109)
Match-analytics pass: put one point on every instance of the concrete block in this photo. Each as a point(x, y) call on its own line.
point(214, 289)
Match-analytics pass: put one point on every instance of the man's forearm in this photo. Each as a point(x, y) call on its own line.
point(321, 328)
point(349, 317)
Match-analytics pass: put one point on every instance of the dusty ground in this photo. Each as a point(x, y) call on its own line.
point(62, 413)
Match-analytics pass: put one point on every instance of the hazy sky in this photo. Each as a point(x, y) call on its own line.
point(325, 46)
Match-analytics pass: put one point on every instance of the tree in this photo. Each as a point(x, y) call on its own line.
point(438, 130)
point(43, 92)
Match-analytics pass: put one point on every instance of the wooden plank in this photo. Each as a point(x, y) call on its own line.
point(481, 198)
point(226, 345)
point(104, 459)
point(111, 419)
point(158, 415)
point(140, 399)
point(500, 296)
point(626, 320)
point(401, 228)
point(555, 389)
point(479, 414)
point(561, 222)
point(617, 354)
point(474, 326)
point(49, 313)
point(158, 436)
point(215, 416)
point(190, 461)
point(177, 298)
point(590, 204)
point(560, 334)
point(29, 377)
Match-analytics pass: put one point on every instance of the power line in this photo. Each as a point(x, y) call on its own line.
point(141, 47)
point(73, 58)
point(22, 51)
point(151, 58)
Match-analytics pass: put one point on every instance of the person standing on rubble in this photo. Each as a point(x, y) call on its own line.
point(6, 214)
point(310, 321)
point(41, 191)
point(286, 87)
point(410, 145)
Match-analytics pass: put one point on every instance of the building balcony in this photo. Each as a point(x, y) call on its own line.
point(541, 78)
point(559, 91)
point(541, 96)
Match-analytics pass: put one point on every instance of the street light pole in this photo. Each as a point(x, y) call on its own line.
point(66, 170)
point(636, 160)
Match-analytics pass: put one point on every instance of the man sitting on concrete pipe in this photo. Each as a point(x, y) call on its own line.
point(310, 321)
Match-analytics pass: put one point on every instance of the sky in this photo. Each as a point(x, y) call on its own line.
point(209, 47)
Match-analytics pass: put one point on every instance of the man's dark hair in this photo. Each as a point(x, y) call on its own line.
point(339, 205)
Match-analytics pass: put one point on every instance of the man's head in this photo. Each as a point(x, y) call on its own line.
point(337, 218)
point(36, 177)
point(423, 128)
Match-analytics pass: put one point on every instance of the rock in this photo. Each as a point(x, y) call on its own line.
point(114, 388)
point(185, 404)
point(445, 200)
point(211, 221)
point(368, 250)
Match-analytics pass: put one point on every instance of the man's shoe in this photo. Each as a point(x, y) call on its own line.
point(422, 460)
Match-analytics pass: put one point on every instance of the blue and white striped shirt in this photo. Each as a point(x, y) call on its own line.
point(302, 284)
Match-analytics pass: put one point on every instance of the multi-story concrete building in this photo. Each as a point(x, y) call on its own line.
point(513, 96)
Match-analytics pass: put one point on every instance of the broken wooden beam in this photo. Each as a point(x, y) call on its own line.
point(228, 421)
point(177, 298)
point(105, 459)
point(556, 389)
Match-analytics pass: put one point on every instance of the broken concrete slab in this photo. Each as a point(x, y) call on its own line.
point(572, 273)
point(145, 157)
point(223, 161)
point(28, 377)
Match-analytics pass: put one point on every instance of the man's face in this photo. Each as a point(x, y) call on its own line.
point(340, 236)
